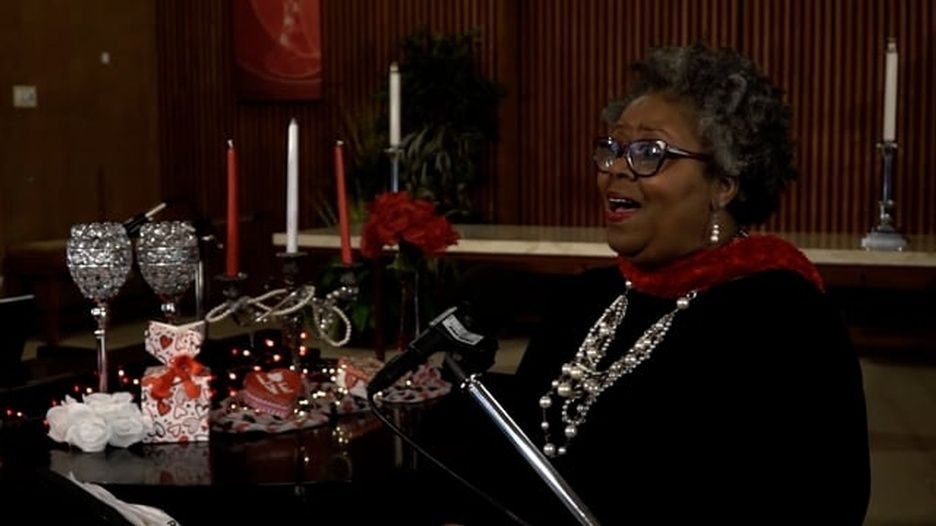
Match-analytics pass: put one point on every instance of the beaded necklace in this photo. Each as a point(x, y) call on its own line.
point(581, 382)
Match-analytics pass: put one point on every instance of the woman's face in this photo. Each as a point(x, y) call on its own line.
point(654, 220)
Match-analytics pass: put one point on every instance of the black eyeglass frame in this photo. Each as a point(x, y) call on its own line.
point(618, 150)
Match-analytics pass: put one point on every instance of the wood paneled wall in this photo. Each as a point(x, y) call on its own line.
point(561, 61)
point(88, 152)
point(199, 109)
point(827, 55)
point(829, 58)
point(574, 60)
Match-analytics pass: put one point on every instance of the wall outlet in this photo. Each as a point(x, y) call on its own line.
point(25, 97)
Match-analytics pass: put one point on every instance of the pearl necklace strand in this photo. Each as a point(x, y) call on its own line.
point(581, 382)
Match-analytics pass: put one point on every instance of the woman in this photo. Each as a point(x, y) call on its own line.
point(707, 377)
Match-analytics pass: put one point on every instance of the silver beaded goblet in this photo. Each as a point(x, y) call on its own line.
point(167, 253)
point(99, 257)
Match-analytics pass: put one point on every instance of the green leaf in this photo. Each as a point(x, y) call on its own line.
point(361, 317)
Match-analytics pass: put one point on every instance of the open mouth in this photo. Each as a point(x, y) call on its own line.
point(620, 207)
point(622, 204)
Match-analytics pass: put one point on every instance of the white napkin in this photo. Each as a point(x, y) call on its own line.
point(137, 514)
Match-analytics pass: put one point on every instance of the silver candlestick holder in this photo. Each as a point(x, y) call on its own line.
point(394, 152)
point(292, 319)
point(234, 301)
point(884, 235)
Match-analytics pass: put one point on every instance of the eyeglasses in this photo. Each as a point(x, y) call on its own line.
point(643, 156)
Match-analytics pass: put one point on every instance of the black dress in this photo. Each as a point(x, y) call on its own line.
point(750, 411)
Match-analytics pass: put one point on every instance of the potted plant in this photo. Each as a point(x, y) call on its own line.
point(449, 115)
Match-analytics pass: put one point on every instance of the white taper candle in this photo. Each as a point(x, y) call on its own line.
point(394, 105)
point(890, 91)
point(292, 187)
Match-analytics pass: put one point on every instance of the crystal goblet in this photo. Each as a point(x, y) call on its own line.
point(167, 253)
point(99, 257)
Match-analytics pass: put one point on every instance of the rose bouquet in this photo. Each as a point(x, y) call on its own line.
point(412, 225)
point(396, 219)
point(99, 420)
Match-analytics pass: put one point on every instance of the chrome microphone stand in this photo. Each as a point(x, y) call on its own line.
point(534, 457)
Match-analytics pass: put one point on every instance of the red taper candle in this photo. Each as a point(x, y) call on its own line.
point(344, 230)
point(233, 237)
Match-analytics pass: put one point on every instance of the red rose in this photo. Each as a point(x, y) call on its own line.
point(433, 235)
point(396, 217)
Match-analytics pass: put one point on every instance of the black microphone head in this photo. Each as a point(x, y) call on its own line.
point(470, 335)
point(455, 332)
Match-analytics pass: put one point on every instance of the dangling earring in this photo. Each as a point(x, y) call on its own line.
point(716, 230)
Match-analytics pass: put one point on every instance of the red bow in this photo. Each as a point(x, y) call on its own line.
point(182, 366)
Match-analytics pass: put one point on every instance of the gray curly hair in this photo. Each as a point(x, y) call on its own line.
point(741, 117)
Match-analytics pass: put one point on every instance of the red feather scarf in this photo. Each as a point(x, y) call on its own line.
point(706, 268)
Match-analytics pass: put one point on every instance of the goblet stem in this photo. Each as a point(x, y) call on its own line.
point(169, 311)
point(200, 290)
point(99, 312)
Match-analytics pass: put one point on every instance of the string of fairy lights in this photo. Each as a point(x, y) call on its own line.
point(325, 314)
point(267, 355)
point(325, 388)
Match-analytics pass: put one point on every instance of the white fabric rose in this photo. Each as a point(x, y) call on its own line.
point(58, 420)
point(109, 405)
point(62, 417)
point(89, 433)
point(126, 430)
point(102, 418)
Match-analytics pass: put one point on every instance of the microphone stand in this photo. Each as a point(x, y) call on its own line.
point(533, 456)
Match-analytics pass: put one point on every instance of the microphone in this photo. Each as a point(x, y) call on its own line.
point(486, 299)
point(135, 223)
point(452, 331)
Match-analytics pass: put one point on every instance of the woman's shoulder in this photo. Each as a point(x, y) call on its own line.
point(767, 308)
point(778, 309)
point(773, 290)
point(599, 285)
point(599, 281)
point(595, 287)
point(604, 277)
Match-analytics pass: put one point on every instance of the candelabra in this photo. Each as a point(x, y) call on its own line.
point(884, 235)
point(235, 304)
point(286, 304)
point(289, 309)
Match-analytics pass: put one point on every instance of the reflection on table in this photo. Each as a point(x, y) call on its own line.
point(355, 445)
point(352, 469)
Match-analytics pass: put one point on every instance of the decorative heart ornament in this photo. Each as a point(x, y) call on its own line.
point(274, 392)
point(165, 341)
